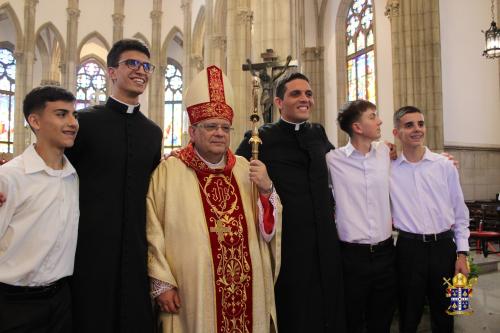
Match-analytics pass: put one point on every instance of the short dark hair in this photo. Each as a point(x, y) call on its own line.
point(35, 100)
point(402, 111)
point(351, 112)
point(125, 45)
point(287, 77)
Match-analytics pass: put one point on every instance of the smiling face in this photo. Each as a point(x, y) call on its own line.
point(129, 83)
point(211, 144)
point(297, 103)
point(411, 130)
point(56, 125)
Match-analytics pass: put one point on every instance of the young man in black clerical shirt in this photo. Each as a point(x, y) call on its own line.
point(114, 154)
point(309, 297)
point(39, 219)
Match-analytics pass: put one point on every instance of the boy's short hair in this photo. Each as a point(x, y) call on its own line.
point(287, 77)
point(351, 112)
point(36, 99)
point(125, 45)
point(402, 111)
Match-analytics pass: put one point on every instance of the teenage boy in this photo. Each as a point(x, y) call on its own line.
point(39, 221)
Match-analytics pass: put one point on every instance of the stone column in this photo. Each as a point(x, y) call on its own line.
point(239, 25)
point(156, 96)
point(313, 68)
point(416, 54)
point(24, 76)
point(209, 32)
point(272, 27)
point(72, 58)
point(218, 45)
point(187, 44)
point(118, 17)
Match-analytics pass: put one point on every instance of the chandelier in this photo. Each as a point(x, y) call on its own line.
point(492, 36)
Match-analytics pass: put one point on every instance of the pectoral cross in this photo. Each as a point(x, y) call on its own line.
point(219, 229)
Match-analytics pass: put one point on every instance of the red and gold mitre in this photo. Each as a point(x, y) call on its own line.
point(210, 95)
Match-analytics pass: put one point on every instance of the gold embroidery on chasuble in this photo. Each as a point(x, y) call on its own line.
point(228, 235)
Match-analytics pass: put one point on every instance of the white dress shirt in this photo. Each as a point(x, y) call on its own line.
point(427, 198)
point(361, 190)
point(38, 222)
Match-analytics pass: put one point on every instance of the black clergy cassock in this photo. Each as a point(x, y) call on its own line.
point(309, 295)
point(114, 155)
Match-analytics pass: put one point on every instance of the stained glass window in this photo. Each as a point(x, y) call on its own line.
point(90, 85)
point(172, 124)
point(7, 89)
point(360, 42)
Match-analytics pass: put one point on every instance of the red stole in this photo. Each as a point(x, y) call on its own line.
point(228, 234)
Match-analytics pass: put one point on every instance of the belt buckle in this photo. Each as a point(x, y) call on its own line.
point(427, 240)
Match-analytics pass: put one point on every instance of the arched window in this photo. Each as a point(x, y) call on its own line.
point(360, 41)
point(90, 85)
point(7, 89)
point(172, 124)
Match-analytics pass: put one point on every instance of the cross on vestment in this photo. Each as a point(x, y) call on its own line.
point(220, 229)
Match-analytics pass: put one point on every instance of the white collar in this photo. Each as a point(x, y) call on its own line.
point(130, 107)
point(297, 125)
point(34, 163)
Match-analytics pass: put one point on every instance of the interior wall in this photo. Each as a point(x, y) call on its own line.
point(471, 87)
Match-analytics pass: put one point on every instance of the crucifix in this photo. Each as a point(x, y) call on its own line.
point(220, 230)
point(267, 80)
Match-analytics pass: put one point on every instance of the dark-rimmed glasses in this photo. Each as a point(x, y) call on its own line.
point(210, 127)
point(136, 64)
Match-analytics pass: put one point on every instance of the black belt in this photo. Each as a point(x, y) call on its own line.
point(372, 247)
point(427, 237)
point(32, 292)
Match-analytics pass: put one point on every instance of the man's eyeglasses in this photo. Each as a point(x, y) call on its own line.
point(135, 64)
point(210, 127)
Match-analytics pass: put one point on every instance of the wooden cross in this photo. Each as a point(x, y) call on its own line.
point(219, 229)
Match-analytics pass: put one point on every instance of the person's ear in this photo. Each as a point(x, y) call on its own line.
point(34, 121)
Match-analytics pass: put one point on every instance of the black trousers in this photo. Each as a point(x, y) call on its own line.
point(46, 311)
point(421, 267)
point(369, 287)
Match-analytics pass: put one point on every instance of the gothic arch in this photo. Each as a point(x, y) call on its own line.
point(50, 45)
point(89, 37)
point(199, 33)
point(7, 8)
point(143, 39)
point(175, 31)
point(220, 16)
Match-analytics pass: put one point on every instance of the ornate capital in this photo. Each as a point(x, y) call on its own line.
point(185, 4)
point(218, 41)
point(73, 13)
point(392, 8)
point(197, 61)
point(50, 83)
point(313, 53)
point(156, 14)
point(31, 3)
point(118, 18)
point(245, 15)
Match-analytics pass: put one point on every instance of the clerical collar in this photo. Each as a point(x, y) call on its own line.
point(122, 106)
point(213, 166)
point(296, 125)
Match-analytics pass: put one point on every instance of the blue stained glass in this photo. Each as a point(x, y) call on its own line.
point(7, 87)
point(91, 79)
point(173, 108)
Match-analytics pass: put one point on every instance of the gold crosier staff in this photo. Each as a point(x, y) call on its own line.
point(255, 140)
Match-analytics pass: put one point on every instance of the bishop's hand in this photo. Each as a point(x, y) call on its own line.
point(258, 175)
point(169, 301)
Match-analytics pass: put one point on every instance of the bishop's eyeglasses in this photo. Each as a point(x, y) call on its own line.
point(211, 127)
point(136, 64)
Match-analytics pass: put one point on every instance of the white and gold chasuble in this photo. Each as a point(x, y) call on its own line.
point(203, 239)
